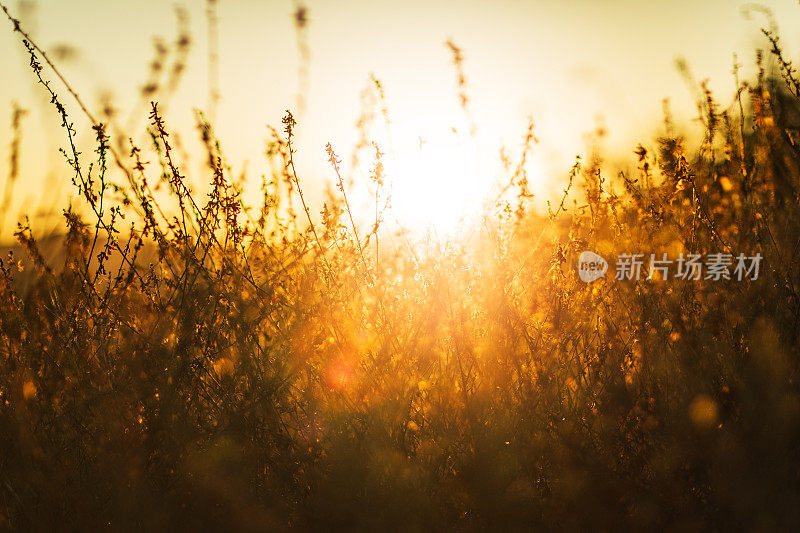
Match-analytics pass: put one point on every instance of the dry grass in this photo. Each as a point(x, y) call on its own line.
point(199, 364)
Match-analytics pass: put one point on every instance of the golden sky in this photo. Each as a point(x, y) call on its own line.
point(567, 64)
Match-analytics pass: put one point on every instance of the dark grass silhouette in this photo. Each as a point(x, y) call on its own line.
point(200, 365)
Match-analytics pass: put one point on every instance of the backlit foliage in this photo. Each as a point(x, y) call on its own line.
point(192, 362)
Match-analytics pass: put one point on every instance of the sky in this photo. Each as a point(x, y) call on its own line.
point(567, 65)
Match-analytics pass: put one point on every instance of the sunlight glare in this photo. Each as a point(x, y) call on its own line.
point(438, 182)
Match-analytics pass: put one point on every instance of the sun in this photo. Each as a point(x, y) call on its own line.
point(439, 181)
